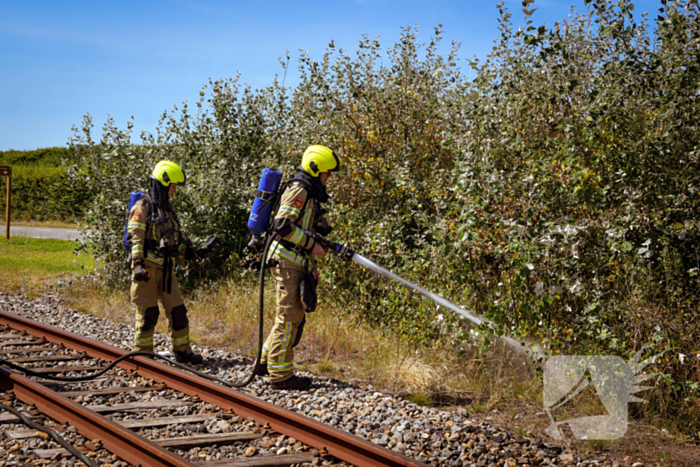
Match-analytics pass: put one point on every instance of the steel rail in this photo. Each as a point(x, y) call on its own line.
point(118, 440)
point(326, 439)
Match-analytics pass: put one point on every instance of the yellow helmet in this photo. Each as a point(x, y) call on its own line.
point(319, 159)
point(167, 172)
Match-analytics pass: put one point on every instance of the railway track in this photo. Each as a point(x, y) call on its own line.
point(150, 413)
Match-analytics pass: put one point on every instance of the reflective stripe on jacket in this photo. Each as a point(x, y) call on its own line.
point(294, 206)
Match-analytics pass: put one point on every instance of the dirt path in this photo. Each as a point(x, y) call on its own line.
point(41, 232)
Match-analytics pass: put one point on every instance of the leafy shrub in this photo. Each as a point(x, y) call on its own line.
point(579, 187)
point(53, 157)
point(222, 149)
point(39, 187)
point(555, 193)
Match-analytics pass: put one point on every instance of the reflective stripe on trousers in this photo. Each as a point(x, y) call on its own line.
point(145, 295)
point(278, 351)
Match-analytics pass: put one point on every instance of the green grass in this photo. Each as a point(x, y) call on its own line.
point(420, 398)
point(325, 367)
point(35, 261)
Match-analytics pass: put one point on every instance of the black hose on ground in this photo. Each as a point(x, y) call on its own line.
point(55, 436)
point(76, 379)
point(261, 314)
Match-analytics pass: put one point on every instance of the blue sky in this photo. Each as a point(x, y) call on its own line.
point(61, 60)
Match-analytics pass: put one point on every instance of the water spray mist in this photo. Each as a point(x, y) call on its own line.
point(349, 254)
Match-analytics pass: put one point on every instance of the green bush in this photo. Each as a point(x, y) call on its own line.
point(579, 181)
point(40, 190)
point(53, 157)
point(555, 193)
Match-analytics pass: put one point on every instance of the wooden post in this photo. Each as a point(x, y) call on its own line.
point(7, 172)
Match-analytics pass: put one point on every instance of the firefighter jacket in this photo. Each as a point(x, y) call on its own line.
point(298, 212)
point(152, 236)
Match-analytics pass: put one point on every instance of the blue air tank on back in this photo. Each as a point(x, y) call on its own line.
point(264, 201)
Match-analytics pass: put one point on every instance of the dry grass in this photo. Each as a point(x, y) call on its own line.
point(24, 283)
point(334, 344)
point(227, 315)
point(89, 297)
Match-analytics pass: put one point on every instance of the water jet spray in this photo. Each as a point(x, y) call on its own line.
point(351, 255)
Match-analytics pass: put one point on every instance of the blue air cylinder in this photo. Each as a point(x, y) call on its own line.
point(262, 206)
point(133, 198)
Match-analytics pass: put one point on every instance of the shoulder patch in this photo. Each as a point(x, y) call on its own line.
point(298, 202)
point(137, 216)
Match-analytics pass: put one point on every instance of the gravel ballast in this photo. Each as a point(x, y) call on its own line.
point(430, 435)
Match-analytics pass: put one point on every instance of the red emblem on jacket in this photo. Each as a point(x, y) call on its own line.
point(298, 202)
point(137, 216)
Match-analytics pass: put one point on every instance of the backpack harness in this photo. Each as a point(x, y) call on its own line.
point(166, 250)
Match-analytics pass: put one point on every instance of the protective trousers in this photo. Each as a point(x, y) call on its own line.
point(278, 351)
point(145, 295)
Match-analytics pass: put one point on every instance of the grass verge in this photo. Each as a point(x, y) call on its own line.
point(28, 264)
point(334, 344)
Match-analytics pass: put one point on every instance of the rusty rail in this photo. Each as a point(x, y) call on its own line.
point(326, 439)
point(129, 446)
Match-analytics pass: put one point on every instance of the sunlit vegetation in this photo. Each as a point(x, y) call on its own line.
point(555, 192)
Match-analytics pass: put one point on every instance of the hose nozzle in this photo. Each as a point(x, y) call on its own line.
point(342, 251)
point(335, 248)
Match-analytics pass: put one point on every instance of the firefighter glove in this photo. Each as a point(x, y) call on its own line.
point(140, 274)
point(211, 244)
point(190, 253)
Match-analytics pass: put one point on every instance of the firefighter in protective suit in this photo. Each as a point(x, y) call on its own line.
point(155, 237)
point(292, 257)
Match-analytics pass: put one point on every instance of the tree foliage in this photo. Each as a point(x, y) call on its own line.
point(555, 193)
point(579, 186)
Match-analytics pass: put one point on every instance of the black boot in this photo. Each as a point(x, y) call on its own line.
point(295, 382)
point(261, 370)
point(188, 357)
